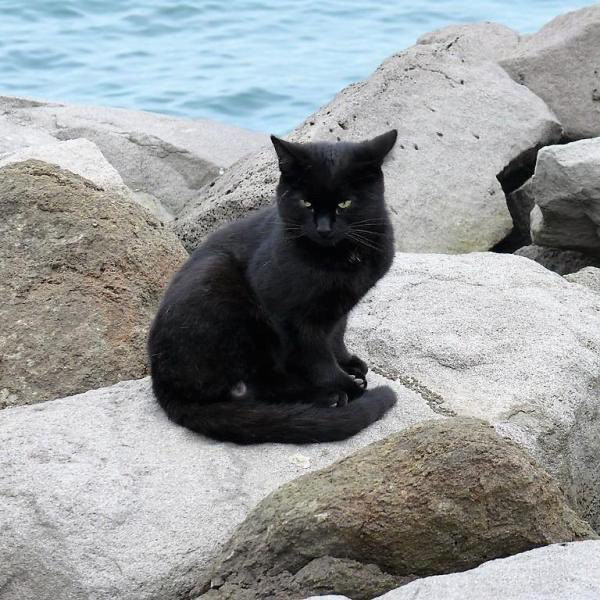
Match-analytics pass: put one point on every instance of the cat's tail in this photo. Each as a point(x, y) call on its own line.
point(245, 421)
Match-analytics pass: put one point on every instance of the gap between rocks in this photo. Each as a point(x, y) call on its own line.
point(512, 177)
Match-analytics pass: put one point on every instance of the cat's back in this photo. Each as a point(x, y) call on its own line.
point(222, 257)
point(242, 237)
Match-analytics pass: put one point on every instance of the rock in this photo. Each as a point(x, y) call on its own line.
point(84, 158)
point(163, 159)
point(582, 462)
point(104, 498)
point(79, 156)
point(556, 572)
point(15, 136)
point(440, 497)
point(482, 41)
point(520, 204)
point(560, 261)
point(566, 188)
point(588, 277)
point(462, 123)
point(496, 337)
point(560, 64)
point(81, 273)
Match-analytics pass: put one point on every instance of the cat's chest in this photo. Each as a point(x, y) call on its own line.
point(326, 293)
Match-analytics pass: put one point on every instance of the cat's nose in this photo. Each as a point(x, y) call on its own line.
point(324, 227)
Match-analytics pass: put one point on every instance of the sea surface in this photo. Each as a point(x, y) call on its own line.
point(263, 65)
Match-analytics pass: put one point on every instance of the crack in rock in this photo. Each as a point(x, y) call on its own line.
point(434, 400)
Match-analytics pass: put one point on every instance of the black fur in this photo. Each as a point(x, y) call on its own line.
point(248, 343)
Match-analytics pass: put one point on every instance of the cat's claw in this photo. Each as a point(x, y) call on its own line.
point(360, 380)
point(356, 368)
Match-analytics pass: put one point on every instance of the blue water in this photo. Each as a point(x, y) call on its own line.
point(260, 64)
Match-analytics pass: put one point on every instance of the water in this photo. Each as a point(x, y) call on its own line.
point(260, 64)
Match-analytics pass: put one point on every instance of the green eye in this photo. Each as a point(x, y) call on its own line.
point(344, 205)
point(306, 203)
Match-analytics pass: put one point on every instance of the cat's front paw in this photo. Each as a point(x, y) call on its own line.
point(353, 386)
point(357, 368)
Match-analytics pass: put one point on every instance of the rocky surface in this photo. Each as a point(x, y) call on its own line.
point(81, 273)
point(103, 497)
point(566, 188)
point(480, 41)
point(80, 156)
point(163, 159)
point(556, 572)
point(442, 496)
point(84, 158)
point(560, 261)
point(462, 123)
point(588, 277)
point(560, 64)
point(496, 337)
point(127, 492)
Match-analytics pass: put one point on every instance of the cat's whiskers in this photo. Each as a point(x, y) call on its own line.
point(368, 231)
point(369, 224)
point(364, 242)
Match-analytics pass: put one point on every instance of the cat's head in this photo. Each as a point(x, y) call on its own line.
point(329, 192)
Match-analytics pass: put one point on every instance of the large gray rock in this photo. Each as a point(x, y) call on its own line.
point(496, 337)
point(461, 123)
point(560, 64)
point(566, 189)
point(81, 274)
point(560, 261)
point(588, 277)
point(104, 498)
point(440, 497)
point(163, 159)
point(556, 572)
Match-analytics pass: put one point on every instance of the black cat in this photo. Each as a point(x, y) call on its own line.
point(248, 343)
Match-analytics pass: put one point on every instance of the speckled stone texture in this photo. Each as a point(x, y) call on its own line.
point(102, 497)
point(496, 337)
point(81, 274)
point(589, 277)
point(82, 157)
point(442, 496)
point(556, 572)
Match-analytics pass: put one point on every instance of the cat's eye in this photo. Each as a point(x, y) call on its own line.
point(306, 203)
point(345, 204)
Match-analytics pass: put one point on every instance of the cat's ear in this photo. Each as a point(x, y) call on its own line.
point(369, 155)
point(292, 158)
point(379, 147)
